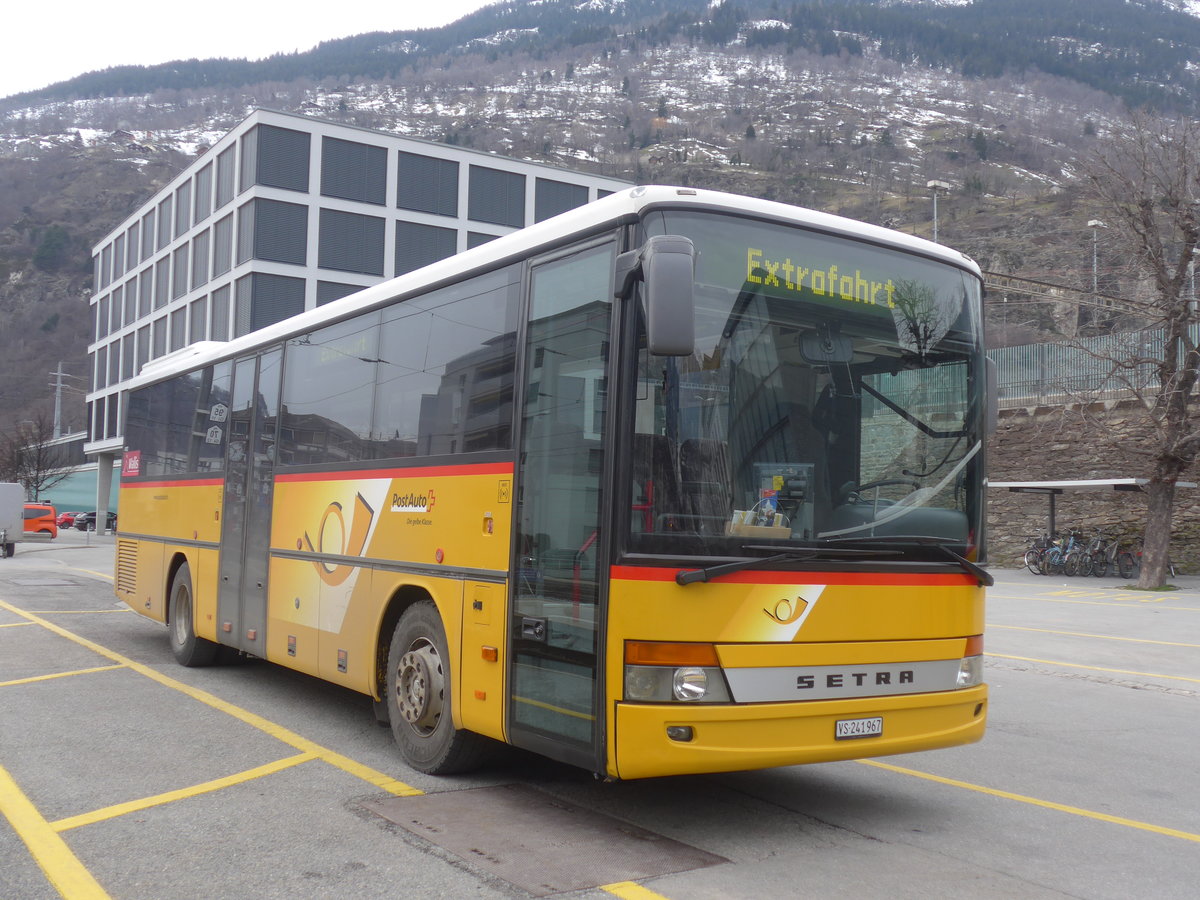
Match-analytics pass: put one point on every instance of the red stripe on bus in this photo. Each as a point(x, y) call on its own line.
point(750, 576)
point(190, 482)
point(503, 468)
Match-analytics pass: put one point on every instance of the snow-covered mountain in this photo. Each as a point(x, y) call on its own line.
point(848, 105)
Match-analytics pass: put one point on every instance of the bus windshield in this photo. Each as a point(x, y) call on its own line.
point(834, 396)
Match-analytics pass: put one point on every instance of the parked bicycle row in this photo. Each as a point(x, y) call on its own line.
point(1073, 554)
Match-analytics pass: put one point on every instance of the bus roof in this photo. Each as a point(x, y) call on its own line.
point(622, 206)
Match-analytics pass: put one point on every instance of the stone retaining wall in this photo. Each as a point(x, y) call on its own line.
point(1061, 444)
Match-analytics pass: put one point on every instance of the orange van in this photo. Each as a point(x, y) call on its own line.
point(40, 519)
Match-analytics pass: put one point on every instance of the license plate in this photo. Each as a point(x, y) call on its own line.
point(847, 729)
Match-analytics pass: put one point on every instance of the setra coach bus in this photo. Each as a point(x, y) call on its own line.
point(675, 482)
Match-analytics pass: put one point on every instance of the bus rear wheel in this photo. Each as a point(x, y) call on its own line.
point(419, 697)
point(189, 650)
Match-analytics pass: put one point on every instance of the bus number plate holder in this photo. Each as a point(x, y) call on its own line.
point(850, 729)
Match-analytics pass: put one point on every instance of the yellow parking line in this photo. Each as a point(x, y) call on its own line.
point(1034, 801)
point(120, 809)
point(106, 577)
point(1114, 603)
point(630, 890)
point(62, 867)
point(34, 678)
point(379, 779)
point(77, 612)
point(14, 624)
point(1054, 662)
point(1106, 637)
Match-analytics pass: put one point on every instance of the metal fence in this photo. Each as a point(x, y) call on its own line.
point(1106, 367)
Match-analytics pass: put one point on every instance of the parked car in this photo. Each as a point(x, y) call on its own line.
point(40, 519)
point(66, 519)
point(87, 521)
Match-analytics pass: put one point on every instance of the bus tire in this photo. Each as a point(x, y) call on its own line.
point(419, 692)
point(189, 650)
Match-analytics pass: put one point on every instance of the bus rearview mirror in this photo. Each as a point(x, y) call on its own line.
point(667, 267)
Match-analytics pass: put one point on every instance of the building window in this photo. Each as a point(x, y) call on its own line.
point(554, 197)
point(101, 371)
point(102, 317)
point(160, 337)
point(223, 246)
point(179, 285)
point(200, 245)
point(133, 247)
point(419, 245)
point(275, 157)
point(114, 362)
point(204, 187)
point(219, 330)
point(264, 299)
point(145, 292)
point(106, 267)
point(183, 208)
point(328, 291)
point(143, 346)
point(273, 230)
point(118, 308)
point(162, 282)
point(350, 242)
point(496, 197)
point(164, 223)
point(426, 184)
point(178, 329)
point(475, 238)
point(198, 320)
point(119, 257)
point(226, 176)
point(148, 235)
point(131, 300)
point(353, 171)
point(127, 357)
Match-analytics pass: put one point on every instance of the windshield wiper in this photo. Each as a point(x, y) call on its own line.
point(690, 576)
point(981, 575)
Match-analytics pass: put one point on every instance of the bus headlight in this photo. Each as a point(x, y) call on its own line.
point(665, 684)
point(970, 671)
point(673, 672)
point(690, 683)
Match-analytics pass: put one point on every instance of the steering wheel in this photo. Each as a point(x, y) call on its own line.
point(851, 490)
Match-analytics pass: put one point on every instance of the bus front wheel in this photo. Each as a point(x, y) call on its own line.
point(419, 697)
point(189, 650)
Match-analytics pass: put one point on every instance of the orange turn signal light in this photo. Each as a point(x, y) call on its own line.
point(974, 645)
point(668, 653)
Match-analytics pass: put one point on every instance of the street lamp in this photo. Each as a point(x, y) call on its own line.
point(937, 187)
point(1095, 225)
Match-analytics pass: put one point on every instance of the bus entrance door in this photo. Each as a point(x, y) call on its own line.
point(246, 518)
point(554, 706)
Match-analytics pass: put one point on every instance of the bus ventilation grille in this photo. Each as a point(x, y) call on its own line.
point(126, 572)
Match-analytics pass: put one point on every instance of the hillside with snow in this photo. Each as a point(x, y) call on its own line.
point(845, 105)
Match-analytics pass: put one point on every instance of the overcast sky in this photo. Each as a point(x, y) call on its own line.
point(46, 42)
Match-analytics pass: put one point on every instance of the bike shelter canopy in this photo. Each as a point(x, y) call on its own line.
point(1052, 489)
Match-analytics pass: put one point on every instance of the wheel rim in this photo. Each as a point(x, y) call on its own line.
point(181, 615)
point(420, 687)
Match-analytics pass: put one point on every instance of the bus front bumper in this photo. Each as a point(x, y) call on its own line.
point(732, 737)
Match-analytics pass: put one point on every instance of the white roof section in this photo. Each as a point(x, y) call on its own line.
point(623, 206)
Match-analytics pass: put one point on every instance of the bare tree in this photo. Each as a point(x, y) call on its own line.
point(1146, 180)
point(28, 455)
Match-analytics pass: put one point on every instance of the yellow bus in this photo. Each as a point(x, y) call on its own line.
point(675, 482)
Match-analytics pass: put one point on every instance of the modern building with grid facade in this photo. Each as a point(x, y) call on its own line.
point(285, 213)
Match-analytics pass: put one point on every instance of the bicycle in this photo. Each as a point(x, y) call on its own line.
point(1129, 564)
point(1033, 556)
point(1055, 559)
